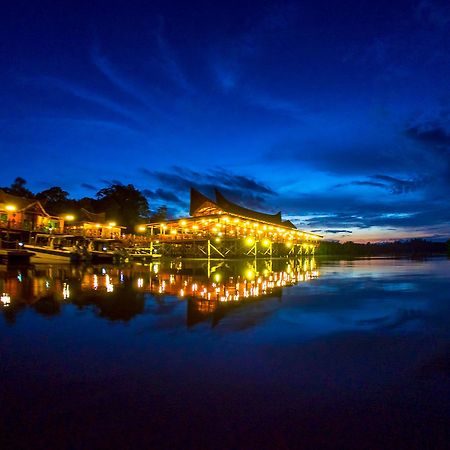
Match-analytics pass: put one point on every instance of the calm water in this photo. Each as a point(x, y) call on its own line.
point(282, 354)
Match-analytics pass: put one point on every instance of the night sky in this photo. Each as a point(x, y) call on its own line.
point(336, 113)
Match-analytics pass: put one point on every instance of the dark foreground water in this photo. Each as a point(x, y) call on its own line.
point(299, 354)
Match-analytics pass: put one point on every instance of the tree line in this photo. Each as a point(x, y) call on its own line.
point(412, 247)
point(123, 204)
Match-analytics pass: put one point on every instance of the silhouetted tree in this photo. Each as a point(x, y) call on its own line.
point(160, 215)
point(56, 200)
point(18, 188)
point(123, 204)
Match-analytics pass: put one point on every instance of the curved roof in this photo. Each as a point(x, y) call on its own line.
point(202, 205)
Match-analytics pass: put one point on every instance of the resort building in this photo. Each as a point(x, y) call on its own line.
point(89, 224)
point(23, 214)
point(223, 228)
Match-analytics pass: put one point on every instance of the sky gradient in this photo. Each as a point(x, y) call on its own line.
point(336, 113)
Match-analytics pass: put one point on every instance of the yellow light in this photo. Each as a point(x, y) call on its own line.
point(217, 239)
point(217, 277)
point(249, 240)
point(266, 242)
point(250, 274)
point(163, 225)
point(288, 244)
point(97, 225)
point(183, 223)
point(69, 217)
point(236, 221)
point(142, 228)
point(173, 231)
point(10, 207)
point(112, 224)
point(195, 227)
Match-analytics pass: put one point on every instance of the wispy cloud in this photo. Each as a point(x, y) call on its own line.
point(89, 187)
point(170, 61)
point(88, 95)
point(119, 80)
point(389, 183)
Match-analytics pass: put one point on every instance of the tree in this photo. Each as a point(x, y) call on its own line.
point(160, 215)
point(18, 188)
point(124, 205)
point(56, 200)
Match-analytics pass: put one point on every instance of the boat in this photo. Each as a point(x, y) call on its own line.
point(57, 248)
point(105, 251)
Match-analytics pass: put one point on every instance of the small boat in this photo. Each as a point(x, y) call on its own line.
point(56, 248)
point(105, 251)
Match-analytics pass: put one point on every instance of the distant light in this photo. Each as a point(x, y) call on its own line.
point(288, 244)
point(217, 277)
point(142, 228)
point(112, 224)
point(217, 239)
point(266, 242)
point(10, 207)
point(69, 217)
point(183, 223)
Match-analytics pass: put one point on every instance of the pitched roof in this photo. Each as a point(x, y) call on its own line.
point(200, 204)
point(21, 203)
point(93, 217)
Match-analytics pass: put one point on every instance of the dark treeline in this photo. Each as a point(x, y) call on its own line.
point(123, 204)
point(413, 247)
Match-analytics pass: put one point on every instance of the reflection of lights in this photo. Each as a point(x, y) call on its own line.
point(109, 285)
point(66, 291)
point(181, 292)
point(140, 282)
point(19, 277)
point(249, 274)
point(95, 282)
point(5, 299)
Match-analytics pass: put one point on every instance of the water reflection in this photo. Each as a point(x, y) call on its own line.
point(209, 288)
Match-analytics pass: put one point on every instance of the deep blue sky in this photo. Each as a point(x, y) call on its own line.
point(337, 113)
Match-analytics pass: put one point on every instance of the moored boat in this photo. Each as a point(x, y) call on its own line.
point(57, 248)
